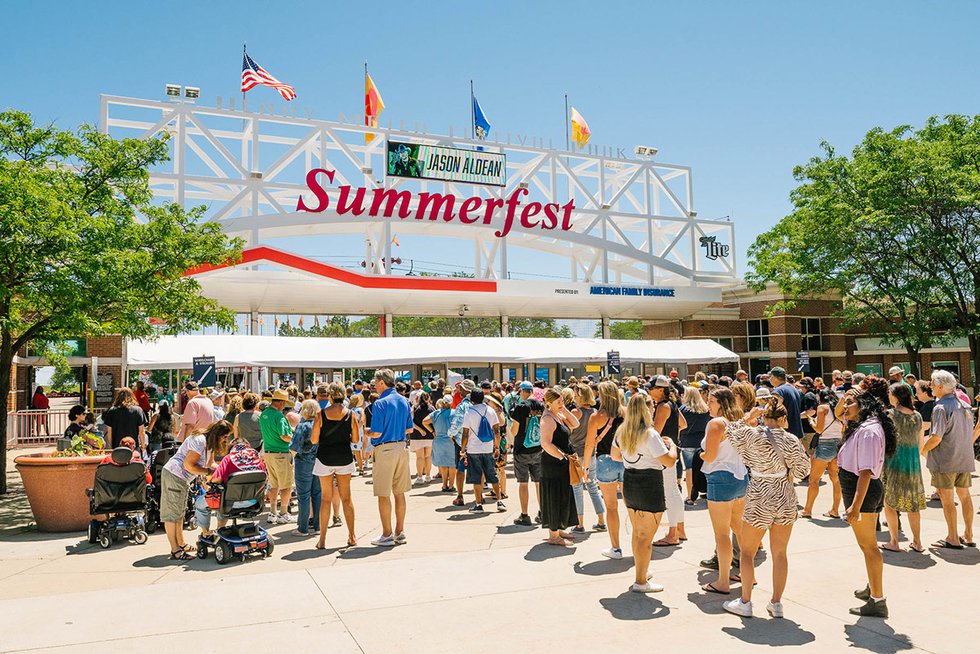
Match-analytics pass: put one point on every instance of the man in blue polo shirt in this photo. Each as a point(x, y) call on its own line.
point(391, 422)
point(791, 398)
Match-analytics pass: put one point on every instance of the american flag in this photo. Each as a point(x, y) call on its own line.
point(253, 75)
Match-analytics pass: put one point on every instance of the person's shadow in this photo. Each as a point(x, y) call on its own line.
point(775, 633)
point(604, 567)
point(881, 640)
point(634, 606)
point(544, 551)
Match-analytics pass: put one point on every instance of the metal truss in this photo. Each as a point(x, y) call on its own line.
point(634, 221)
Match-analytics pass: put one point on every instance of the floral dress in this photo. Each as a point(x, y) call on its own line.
point(902, 474)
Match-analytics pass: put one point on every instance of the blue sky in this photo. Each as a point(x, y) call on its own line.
point(741, 91)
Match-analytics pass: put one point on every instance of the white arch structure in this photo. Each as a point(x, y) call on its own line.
point(634, 223)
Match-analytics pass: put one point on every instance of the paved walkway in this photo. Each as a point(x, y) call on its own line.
point(464, 583)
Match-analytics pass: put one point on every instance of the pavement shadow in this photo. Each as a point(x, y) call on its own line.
point(544, 552)
point(159, 561)
point(710, 603)
point(306, 555)
point(466, 517)
point(354, 553)
point(634, 606)
point(452, 509)
point(604, 567)
point(516, 529)
point(881, 639)
point(965, 556)
point(775, 633)
point(908, 559)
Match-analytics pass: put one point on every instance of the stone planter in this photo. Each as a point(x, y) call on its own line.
point(56, 488)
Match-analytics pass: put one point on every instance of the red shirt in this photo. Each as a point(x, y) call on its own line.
point(143, 400)
point(40, 401)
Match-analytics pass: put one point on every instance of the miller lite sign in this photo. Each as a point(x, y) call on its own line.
point(713, 249)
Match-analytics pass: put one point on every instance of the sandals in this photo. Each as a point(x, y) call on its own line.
point(663, 543)
point(710, 588)
point(945, 544)
point(560, 543)
point(886, 548)
point(918, 549)
point(180, 555)
point(190, 549)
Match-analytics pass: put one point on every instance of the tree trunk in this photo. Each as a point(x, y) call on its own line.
point(6, 363)
point(915, 360)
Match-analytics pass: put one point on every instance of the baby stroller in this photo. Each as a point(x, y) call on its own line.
point(158, 460)
point(119, 493)
point(238, 539)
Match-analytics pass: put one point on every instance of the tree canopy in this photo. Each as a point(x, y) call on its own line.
point(892, 229)
point(85, 249)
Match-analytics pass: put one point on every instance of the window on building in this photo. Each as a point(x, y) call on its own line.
point(949, 366)
point(725, 341)
point(816, 368)
point(868, 369)
point(758, 332)
point(758, 367)
point(810, 334)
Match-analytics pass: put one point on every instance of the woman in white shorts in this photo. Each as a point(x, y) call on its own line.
point(334, 431)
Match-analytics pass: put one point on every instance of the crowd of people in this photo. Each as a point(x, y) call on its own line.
point(655, 444)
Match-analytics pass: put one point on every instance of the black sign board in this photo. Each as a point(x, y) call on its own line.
point(105, 387)
point(204, 371)
point(612, 363)
point(803, 361)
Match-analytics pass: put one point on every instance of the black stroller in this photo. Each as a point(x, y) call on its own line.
point(160, 458)
point(239, 539)
point(119, 493)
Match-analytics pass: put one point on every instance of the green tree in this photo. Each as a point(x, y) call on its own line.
point(629, 330)
point(84, 249)
point(334, 326)
point(869, 228)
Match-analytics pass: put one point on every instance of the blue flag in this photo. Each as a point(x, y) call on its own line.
point(481, 126)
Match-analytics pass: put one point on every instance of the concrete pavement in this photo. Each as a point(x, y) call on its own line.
point(467, 583)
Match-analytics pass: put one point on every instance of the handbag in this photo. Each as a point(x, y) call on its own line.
point(576, 473)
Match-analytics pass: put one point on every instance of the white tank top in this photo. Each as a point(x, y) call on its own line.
point(834, 428)
point(727, 458)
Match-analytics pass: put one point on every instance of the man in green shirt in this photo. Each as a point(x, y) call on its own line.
point(276, 435)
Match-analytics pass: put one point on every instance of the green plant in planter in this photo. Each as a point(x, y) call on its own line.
point(84, 444)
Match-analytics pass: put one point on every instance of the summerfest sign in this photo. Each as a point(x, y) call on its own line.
point(438, 206)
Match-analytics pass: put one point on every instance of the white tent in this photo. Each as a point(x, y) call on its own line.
point(308, 352)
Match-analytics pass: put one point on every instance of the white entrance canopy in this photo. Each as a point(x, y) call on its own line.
point(309, 352)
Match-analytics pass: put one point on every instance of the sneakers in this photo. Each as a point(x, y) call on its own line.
point(419, 480)
point(427, 479)
point(477, 508)
point(775, 609)
point(863, 594)
point(400, 539)
point(273, 518)
point(598, 527)
point(283, 519)
point(648, 587)
point(738, 607)
point(872, 609)
point(537, 518)
point(458, 501)
point(336, 522)
point(613, 553)
point(384, 541)
point(501, 507)
point(523, 520)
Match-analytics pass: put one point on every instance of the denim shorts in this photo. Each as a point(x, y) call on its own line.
point(724, 487)
point(827, 449)
point(480, 467)
point(607, 470)
point(687, 456)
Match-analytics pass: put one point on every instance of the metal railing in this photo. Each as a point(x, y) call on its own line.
point(37, 427)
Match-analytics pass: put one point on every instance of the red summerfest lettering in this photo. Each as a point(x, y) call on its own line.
point(437, 206)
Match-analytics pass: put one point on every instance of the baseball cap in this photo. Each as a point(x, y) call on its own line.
point(673, 373)
point(703, 385)
point(659, 381)
point(778, 372)
point(525, 386)
point(895, 370)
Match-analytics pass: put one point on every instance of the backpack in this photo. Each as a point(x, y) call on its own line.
point(485, 432)
point(532, 433)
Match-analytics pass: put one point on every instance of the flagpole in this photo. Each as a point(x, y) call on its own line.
point(244, 106)
point(472, 111)
point(568, 145)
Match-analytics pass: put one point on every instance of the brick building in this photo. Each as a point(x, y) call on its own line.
point(739, 323)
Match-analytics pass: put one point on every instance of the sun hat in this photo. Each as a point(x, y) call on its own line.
point(763, 393)
point(467, 385)
point(895, 370)
point(281, 395)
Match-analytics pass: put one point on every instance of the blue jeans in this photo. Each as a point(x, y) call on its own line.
point(593, 487)
point(307, 492)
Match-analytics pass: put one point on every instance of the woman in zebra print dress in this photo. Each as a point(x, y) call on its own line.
point(775, 457)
